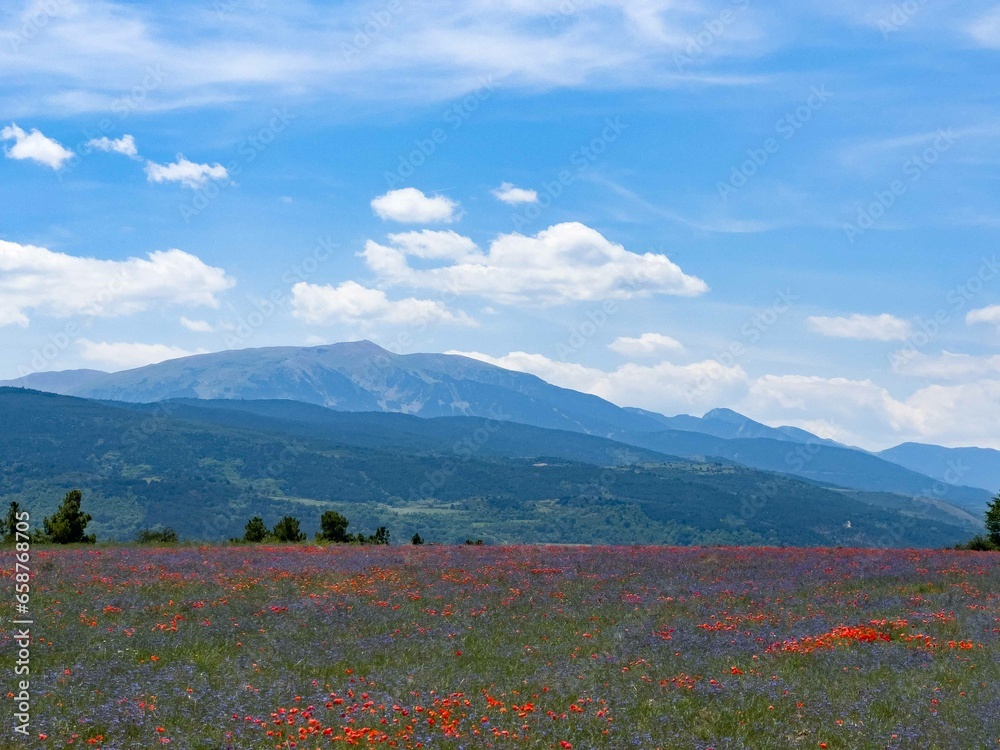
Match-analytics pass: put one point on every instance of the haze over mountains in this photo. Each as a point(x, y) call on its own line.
point(362, 377)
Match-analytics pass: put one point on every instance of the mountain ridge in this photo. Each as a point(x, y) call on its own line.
point(360, 376)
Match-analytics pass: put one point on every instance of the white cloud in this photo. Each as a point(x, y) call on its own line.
point(411, 206)
point(869, 327)
point(986, 29)
point(945, 366)
point(124, 145)
point(126, 355)
point(648, 344)
point(513, 196)
point(990, 315)
point(34, 146)
point(187, 173)
point(198, 326)
point(85, 59)
point(352, 303)
point(855, 412)
point(35, 278)
point(664, 387)
point(564, 263)
point(860, 412)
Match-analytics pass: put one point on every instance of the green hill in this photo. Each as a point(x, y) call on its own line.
point(205, 469)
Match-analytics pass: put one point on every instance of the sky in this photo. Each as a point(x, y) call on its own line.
point(790, 209)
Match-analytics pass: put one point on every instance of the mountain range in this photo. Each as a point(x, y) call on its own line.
point(358, 391)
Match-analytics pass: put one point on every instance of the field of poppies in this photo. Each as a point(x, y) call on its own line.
point(551, 647)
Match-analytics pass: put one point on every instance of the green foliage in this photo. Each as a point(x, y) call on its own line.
point(989, 542)
point(981, 543)
point(206, 480)
point(478, 542)
point(68, 525)
point(164, 535)
point(381, 536)
point(8, 524)
point(333, 528)
point(256, 531)
point(287, 530)
point(416, 539)
point(993, 520)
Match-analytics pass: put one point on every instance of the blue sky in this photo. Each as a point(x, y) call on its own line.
point(788, 209)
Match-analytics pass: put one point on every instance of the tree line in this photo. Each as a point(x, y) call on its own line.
point(332, 528)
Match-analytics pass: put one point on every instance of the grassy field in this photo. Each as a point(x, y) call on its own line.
point(551, 647)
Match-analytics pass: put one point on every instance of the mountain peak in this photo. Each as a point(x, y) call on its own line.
point(727, 415)
point(364, 346)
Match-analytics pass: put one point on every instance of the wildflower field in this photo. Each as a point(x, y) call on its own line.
point(550, 647)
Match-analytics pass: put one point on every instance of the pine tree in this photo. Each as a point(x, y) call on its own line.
point(287, 530)
point(333, 527)
point(255, 530)
point(993, 520)
point(68, 525)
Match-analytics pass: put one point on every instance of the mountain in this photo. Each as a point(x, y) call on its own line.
point(362, 377)
point(731, 425)
point(460, 436)
point(64, 381)
point(826, 464)
point(979, 467)
point(204, 468)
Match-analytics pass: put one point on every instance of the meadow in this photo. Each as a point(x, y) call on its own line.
point(551, 647)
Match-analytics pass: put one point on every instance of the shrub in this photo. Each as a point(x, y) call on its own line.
point(164, 535)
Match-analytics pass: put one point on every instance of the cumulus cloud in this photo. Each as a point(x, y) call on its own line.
point(860, 412)
point(411, 206)
point(514, 196)
point(647, 345)
point(564, 263)
point(198, 326)
point(990, 315)
point(663, 387)
point(352, 303)
point(868, 327)
point(126, 355)
point(35, 278)
point(35, 147)
point(187, 173)
point(124, 145)
point(854, 412)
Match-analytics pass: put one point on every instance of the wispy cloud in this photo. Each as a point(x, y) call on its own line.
point(124, 145)
point(186, 172)
point(883, 327)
